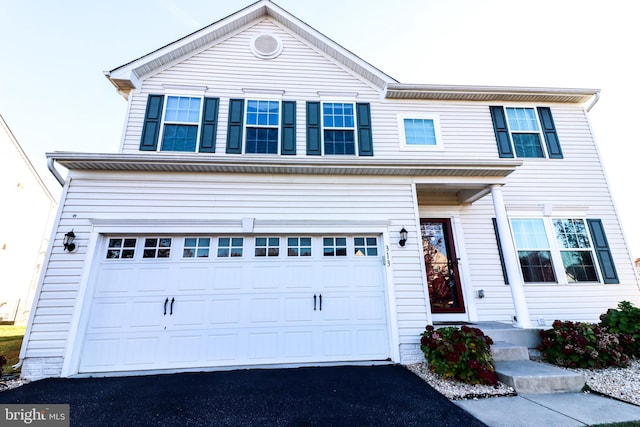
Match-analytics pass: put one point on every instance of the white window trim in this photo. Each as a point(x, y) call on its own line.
point(183, 94)
point(339, 99)
point(262, 97)
point(554, 248)
point(543, 142)
point(421, 116)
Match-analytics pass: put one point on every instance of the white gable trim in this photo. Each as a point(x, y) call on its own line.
point(128, 76)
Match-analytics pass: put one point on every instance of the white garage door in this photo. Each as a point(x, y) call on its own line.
point(171, 302)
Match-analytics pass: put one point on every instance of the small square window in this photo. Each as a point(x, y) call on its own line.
point(267, 246)
point(157, 248)
point(365, 246)
point(121, 248)
point(299, 246)
point(230, 247)
point(334, 246)
point(196, 247)
point(419, 131)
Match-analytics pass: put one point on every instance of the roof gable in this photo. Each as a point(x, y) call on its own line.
point(128, 76)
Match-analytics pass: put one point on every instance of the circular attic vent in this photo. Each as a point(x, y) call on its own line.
point(266, 46)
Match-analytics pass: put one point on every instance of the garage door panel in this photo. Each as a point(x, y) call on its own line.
point(299, 276)
point(183, 349)
point(224, 311)
point(298, 309)
point(116, 279)
point(153, 279)
point(235, 311)
point(193, 278)
point(188, 312)
point(143, 352)
point(264, 310)
point(221, 347)
point(266, 277)
point(108, 315)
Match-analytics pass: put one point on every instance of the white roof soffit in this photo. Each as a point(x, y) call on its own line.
point(489, 93)
point(156, 162)
point(127, 76)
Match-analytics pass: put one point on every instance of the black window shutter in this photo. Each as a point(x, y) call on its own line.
point(314, 139)
point(288, 140)
point(601, 245)
point(209, 125)
point(549, 131)
point(151, 126)
point(365, 138)
point(505, 149)
point(234, 129)
point(500, 254)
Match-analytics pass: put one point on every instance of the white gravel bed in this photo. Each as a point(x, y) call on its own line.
point(457, 390)
point(619, 383)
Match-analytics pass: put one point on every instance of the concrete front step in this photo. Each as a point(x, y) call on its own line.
point(504, 351)
point(529, 377)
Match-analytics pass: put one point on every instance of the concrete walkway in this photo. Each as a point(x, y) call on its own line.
point(550, 410)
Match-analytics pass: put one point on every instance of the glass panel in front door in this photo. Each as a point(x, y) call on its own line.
point(441, 264)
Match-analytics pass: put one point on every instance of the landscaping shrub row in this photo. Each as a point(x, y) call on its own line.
point(465, 353)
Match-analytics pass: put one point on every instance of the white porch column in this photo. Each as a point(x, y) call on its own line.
point(512, 265)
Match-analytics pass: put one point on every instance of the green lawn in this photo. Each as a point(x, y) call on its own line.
point(10, 342)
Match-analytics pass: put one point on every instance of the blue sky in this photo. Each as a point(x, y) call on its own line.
point(54, 96)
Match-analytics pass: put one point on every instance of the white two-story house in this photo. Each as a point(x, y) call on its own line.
point(278, 201)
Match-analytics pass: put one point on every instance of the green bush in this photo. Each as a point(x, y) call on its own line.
point(463, 354)
point(581, 345)
point(624, 321)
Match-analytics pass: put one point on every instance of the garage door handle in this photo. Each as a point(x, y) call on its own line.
point(314, 302)
point(165, 306)
point(320, 302)
point(171, 306)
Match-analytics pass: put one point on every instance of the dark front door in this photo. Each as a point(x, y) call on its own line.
point(441, 264)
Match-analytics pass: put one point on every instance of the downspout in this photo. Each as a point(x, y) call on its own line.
point(596, 98)
point(52, 168)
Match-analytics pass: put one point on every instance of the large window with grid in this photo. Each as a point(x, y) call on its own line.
point(181, 122)
point(261, 131)
point(339, 128)
point(557, 250)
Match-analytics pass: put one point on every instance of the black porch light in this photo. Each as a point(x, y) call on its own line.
point(403, 237)
point(69, 246)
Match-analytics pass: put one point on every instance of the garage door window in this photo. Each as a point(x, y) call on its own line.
point(121, 248)
point(335, 246)
point(267, 246)
point(299, 246)
point(196, 247)
point(365, 246)
point(230, 247)
point(157, 247)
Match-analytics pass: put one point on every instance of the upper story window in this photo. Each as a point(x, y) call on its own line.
point(263, 123)
point(419, 131)
point(339, 128)
point(520, 132)
point(181, 119)
point(261, 127)
point(180, 123)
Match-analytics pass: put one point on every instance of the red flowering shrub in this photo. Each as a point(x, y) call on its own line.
point(463, 354)
point(581, 345)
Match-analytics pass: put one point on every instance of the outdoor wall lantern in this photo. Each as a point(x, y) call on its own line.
point(69, 246)
point(403, 237)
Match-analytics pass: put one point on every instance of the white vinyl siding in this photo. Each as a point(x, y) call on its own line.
point(161, 198)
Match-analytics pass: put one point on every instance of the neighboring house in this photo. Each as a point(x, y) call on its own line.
point(253, 214)
point(27, 215)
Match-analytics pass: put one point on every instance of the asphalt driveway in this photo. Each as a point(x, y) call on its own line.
point(317, 396)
